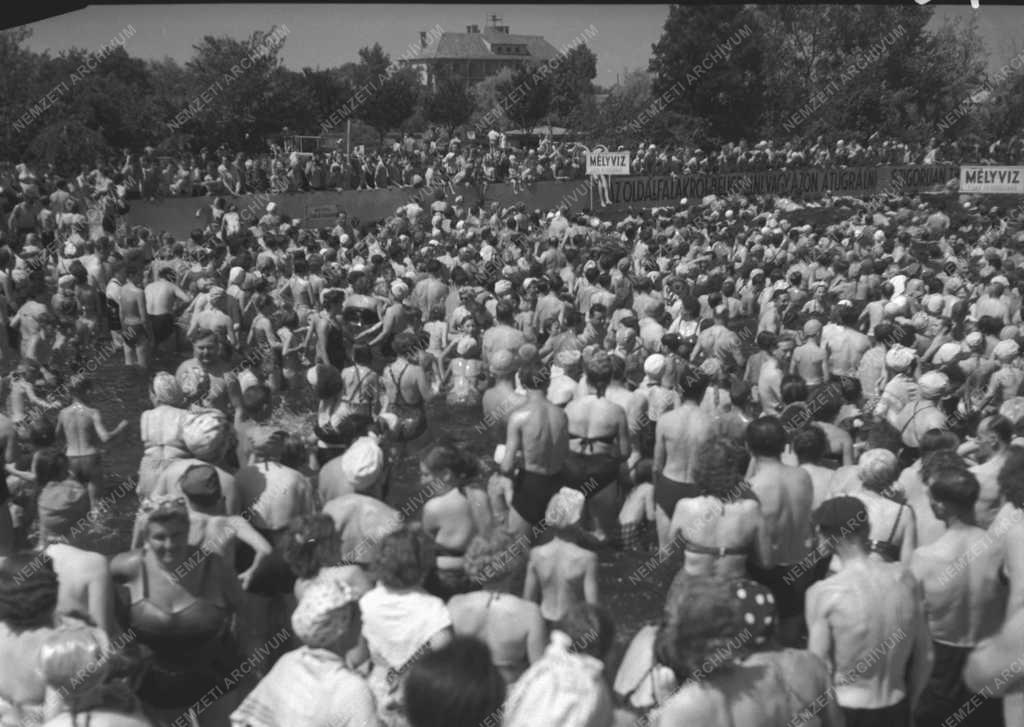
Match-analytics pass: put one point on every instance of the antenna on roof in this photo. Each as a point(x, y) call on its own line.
point(493, 20)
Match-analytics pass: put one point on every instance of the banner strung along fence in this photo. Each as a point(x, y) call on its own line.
point(177, 215)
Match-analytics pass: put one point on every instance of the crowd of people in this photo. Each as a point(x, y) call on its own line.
point(813, 431)
point(432, 161)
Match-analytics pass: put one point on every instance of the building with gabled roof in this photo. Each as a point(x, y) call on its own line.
point(477, 54)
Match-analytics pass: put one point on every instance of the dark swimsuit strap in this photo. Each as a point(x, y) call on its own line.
point(399, 399)
point(718, 552)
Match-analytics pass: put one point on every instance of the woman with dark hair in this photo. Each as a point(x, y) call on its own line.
point(180, 602)
point(598, 446)
point(313, 552)
point(406, 389)
point(454, 686)
point(28, 617)
point(721, 528)
point(717, 640)
point(401, 621)
point(511, 626)
point(457, 510)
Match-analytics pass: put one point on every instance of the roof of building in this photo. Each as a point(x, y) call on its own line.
point(486, 45)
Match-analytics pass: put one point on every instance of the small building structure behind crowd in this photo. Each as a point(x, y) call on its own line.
point(477, 54)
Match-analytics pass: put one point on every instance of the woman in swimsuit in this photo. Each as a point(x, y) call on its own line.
point(264, 340)
point(179, 602)
point(453, 515)
point(598, 446)
point(511, 626)
point(329, 331)
point(721, 528)
point(893, 534)
point(466, 374)
point(405, 384)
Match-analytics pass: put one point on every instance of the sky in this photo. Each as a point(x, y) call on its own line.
point(330, 35)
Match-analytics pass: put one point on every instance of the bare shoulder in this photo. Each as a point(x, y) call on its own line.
point(126, 565)
point(690, 704)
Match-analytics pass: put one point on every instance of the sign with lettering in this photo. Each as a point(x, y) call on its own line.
point(607, 162)
point(810, 182)
point(991, 180)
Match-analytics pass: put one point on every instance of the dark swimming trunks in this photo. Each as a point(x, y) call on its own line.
point(897, 714)
point(531, 494)
point(946, 692)
point(163, 326)
point(667, 492)
point(590, 473)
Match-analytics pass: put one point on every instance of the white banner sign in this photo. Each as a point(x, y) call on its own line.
point(991, 180)
point(607, 162)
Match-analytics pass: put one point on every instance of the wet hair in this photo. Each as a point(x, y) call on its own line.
point(686, 644)
point(1001, 427)
point(404, 558)
point(405, 343)
point(449, 456)
point(255, 399)
point(810, 444)
point(201, 334)
point(766, 437)
point(794, 389)
point(455, 686)
point(312, 543)
point(766, 340)
point(935, 440)
point(496, 556)
point(692, 384)
point(956, 487)
point(28, 589)
point(535, 376)
point(1011, 477)
point(717, 471)
point(939, 460)
point(599, 371)
point(591, 629)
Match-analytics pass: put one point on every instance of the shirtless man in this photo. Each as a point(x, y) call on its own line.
point(135, 326)
point(844, 348)
point(361, 521)
point(535, 451)
point(161, 296)
point(560, 574)
point(83, 576)
point(965, 599)
point(994, 436)
point(809, 360)
point(679, 436)
point(502, 399)
point(868, 623)
point(504, 334)
point(809, 446)
point(786, 494)
point(83, 431)
point(213, 318)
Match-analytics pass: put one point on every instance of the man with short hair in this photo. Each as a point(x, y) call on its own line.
point(868, 622)
point(786, 494)
point(846, 346)
point(679, 436)
point(965, 599)
point(809, 360)
point(539, 431)
point(995, 433)
point(503, 335)
point(769, 381)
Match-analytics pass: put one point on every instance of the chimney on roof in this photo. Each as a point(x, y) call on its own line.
point(502, 29)
point(472, 29)
point(423, 39)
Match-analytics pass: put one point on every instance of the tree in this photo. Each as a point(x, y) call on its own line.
point(525, 97)
point(709, 63)
point(385, 95)
point(327, 89)
point(449, 105)
point(488, 112)
point(233, 89)
point(572, 85)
